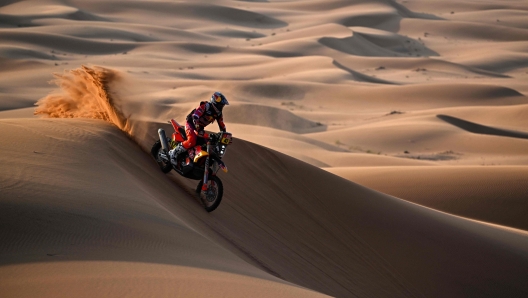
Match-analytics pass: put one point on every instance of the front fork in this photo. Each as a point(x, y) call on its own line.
point(206, 171)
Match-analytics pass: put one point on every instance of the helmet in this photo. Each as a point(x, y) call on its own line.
point(218, 100)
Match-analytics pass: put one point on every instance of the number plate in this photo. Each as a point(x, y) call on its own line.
point(226, 138)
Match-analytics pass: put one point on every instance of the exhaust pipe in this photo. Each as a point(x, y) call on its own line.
point(163, 140)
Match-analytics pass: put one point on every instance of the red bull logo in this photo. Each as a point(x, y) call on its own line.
point(217, 98)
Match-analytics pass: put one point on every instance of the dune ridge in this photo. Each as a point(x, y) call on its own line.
point(353, 87)
point(101, 228)
point(482, 129)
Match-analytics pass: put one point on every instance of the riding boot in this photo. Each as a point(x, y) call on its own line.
point(174, 152)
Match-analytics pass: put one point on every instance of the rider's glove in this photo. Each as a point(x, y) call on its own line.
point(195, 121)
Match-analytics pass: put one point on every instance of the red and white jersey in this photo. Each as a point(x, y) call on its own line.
point(206, 114)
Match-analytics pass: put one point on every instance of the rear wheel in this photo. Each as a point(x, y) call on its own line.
point(213, 195)
point(160, 156)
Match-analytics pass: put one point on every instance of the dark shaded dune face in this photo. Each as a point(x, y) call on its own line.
point(372, 45)
point(9, 21)
point(22, 53)
point(384, 21)
point(202, 48)
point(81, 15)
point(274, 91)
point(240, 17)
point(8, 102)
point(274, 54)
point(358, 46)
point(19, 64)
point(235, 33)
point(65, 43)
point(473, 31)
point(361, 77)
point(399, 44)
point(446, 95)
point(492, 194)
point(393, 6)
point(91, 231)
point(385, 15)
point(501, 62)
point(99, 32)
point(269, 117)
point(482, 129)
point(32, 20)
point(18, 18)
point(497, 92)
point(196, 11)
point(480, 92)
point(368, 238)
point(105, 210)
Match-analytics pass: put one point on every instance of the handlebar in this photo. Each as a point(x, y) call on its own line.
point(219, 136)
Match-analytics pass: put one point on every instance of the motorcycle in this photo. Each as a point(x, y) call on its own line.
point(202, 162)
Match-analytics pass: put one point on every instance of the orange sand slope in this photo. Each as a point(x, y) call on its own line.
point(320, 232)
point(82, 215)
point(424, 100)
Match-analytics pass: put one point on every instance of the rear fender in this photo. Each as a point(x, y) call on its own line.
point(175, 124)
point(177, 137)
point(179, 132)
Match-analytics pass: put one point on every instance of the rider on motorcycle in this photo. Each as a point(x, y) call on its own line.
point(205, 114)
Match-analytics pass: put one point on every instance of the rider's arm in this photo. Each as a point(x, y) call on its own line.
point(221, 124)
point(197, 114)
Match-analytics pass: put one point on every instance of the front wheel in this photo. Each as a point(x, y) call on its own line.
point(213, 195)
point(157, 152)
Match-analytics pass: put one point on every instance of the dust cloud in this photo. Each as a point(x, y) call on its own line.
point(85, 92)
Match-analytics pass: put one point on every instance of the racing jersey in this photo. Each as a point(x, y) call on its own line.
point(204, 115)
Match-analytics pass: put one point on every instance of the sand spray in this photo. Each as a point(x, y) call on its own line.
point(85, 92)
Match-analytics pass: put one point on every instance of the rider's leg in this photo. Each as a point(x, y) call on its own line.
point(189, 143)
point(191, 137)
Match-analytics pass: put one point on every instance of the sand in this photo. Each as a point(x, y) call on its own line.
point(380, 148)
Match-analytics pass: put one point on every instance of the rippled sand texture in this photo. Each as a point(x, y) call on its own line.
point(419, 105)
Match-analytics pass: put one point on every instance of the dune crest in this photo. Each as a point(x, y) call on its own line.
point(411, 102)
point(84, 93)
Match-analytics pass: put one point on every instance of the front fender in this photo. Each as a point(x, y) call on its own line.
point(221, 164)
point(200, 155)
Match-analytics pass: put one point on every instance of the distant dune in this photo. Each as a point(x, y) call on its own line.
point(380, 148)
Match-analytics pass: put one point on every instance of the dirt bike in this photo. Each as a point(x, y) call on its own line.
point(192, 164)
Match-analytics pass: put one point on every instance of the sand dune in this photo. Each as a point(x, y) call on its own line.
point(353, 228)
point(424, 101)
point(367, 253)
point(81, 208)
point(482, 129)
point(492, 194)
point(69, 44)
point(512, 117)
